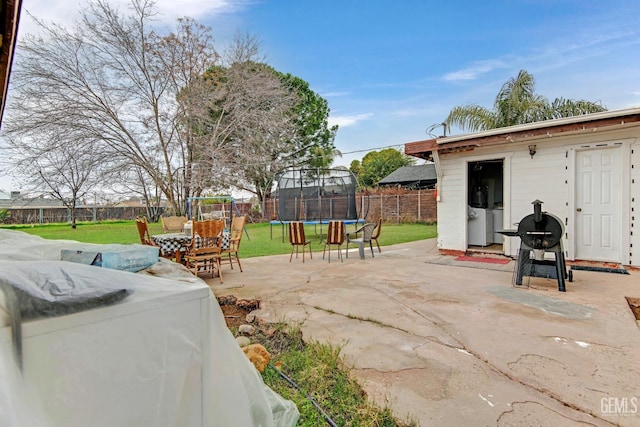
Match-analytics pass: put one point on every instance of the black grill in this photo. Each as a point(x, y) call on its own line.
point(540, 233)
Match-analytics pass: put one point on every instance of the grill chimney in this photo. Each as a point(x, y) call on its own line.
point(537, 211)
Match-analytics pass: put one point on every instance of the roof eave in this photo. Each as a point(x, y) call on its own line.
point(518, 133)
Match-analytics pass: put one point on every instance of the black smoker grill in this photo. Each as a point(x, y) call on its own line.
point(540, 232)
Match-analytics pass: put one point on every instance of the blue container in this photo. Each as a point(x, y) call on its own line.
point(128, 258)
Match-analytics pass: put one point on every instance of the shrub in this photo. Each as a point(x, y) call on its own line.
point(4, 215)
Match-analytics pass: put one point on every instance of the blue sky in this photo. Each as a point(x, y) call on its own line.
point(390, 70)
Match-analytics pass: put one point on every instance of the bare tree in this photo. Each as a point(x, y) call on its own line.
point(63, 166)
point(114, 81)
point(136, 181)
point(166, 108)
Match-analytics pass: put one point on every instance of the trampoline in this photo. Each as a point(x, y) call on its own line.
point(317, 196)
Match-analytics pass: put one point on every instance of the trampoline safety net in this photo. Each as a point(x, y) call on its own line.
point(316, 195)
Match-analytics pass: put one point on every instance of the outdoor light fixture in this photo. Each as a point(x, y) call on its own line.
point(532, 150)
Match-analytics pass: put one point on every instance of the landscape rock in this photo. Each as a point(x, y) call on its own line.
point(227, 300)
point(243, 341)
point(248, 304)
point(246, 329)
point(258, 355)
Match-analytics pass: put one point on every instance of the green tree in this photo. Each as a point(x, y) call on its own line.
point(517, 103)
point(323, 157)
point(378, 164)
point(356, 167)
point(313, 138)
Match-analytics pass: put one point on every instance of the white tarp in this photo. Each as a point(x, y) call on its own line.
point(163, 356)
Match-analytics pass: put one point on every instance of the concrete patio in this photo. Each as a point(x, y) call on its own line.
point(446, 342)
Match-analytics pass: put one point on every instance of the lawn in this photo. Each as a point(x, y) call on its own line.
point(259, 240)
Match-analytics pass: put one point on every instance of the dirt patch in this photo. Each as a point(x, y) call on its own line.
point(235, 311)
point(234, 316)
point(277, 338)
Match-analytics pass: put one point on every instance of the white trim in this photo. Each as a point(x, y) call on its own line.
point(464, 218)
point(506, 201)
point(625, 201)
point(506, 192)
point(570, 228)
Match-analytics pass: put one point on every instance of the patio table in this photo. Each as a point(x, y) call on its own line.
point(172, 243)
point(179, 242)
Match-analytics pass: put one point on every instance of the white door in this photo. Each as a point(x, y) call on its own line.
point(598, 204)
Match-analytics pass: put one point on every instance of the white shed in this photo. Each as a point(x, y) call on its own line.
point(586, 170)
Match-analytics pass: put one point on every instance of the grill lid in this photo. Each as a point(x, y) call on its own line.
point(540, 230)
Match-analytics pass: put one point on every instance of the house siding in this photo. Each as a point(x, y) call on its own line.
point(451, 208)
point(529, 183)
point(634, 210)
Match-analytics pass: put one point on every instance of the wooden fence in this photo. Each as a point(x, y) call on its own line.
point(393, 205)
point(61, 214)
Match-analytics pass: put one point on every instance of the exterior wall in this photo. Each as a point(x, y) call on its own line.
point(452, 204)
point(634, 209)
point(545, 178)
point(550, 177)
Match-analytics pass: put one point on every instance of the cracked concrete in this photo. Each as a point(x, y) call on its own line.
point(445, 342)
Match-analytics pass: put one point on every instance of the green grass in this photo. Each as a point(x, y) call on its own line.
point(319, 372)
point(259, 241)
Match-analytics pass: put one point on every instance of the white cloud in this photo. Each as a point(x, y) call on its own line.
point(334, 94)
point(197, 8)
point(346, 121)
point(60, 12)
point(475, 70)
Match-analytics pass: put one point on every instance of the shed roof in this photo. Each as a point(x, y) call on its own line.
point(585, 123)
point(411, 175)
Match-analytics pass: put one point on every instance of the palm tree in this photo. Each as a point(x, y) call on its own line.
point(323, 157)
point(515, 104)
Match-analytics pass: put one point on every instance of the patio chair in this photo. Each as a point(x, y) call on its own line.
point(143, 231)
point(365, 234)
point(145, 237)
point(235, 237)
point(335, 236)
point(376, 234)
point(173, 224)
point(297, 239)
point(205, 251)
